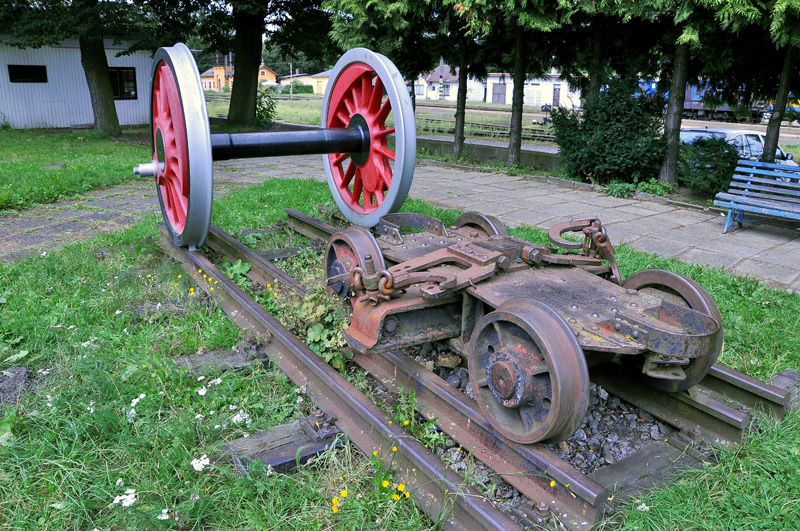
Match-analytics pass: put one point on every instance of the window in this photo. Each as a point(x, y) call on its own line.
point(753, 147)
point(420, 90)
point(263, 72)
point(446, 90)
point(123, 83)
point(27, 73)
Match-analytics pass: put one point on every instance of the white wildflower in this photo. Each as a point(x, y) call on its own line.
point(43, 372)
point(232, 407)
point(194, 497)
point(201, 378)
point(163, 515)
point(643, 507)
point(216, 426)
point(202, 391)
point(200, 463)
point(130, 414)
point(119, 482)
point(118, 312)
point(199, 416)
point(127, 499)
point(161, 393)
point(44, 253)
point(211, 412)
point(240, 417)
point(90, 407)
point(49, 401)
point(215, 381)
point(125, 331)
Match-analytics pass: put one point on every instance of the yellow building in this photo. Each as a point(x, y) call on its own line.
point(218, 77)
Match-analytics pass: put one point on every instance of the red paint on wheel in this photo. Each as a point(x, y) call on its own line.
point(364, 186)
point(172, 177)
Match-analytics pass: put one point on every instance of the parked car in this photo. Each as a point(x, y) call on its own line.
point(750, 143)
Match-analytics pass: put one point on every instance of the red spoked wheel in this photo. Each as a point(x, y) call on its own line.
point(373, 183)
point(182, 164)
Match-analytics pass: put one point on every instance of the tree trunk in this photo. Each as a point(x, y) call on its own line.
point(413, 97)
point(596, 72)
point(779, 109)
point(249, 26)
point(461, 100)
point(672, 125)
point(95, 68)
point(515, 131)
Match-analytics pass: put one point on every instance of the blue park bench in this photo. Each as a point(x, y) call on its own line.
point(761, 188)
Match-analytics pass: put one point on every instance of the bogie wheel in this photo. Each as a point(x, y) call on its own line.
point(528, 372)
point(181, 146)
point(680, 290)
point(368, 185)
point(348, 249)
point(489, 225)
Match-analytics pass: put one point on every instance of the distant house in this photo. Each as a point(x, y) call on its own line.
point(305, 79)
point(427, 86)
point(221, 75)
point(551, 89)
point(320, 81)
point(46, 87)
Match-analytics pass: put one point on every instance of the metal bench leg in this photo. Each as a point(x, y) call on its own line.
point(740, 218)
point(728, 221)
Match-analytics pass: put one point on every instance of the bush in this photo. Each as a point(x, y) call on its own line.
point(707, 165)
point(265, 108)
point(618, 138)
point(297, 88)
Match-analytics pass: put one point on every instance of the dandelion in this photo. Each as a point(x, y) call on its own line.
point(205, 276)
point(202, 391)
point(385, 483)
point(216, 282)
point(375, 453)
point(200, 463)
point(163, 515)
point(552, 483)
point(212, 289)
point(175, 285)
point(394, 448)
point(406, 494)
point(199, 270)
point(390, 422)
point(395, 497)
point(148, 276)
point(180, 276)
point(335, 509)
point(343, 494)
point(335, 500)
point(405, 423)
point(401, 487)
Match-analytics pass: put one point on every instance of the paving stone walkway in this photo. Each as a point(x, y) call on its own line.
point(766, 251)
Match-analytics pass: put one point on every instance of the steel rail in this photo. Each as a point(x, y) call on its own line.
point(308, 226)
point(440, 492)
point(576, 500)
point(263, 271)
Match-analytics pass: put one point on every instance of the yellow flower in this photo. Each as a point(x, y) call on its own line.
point(343, 494)
point(395, 497)
point(394, 448)
point(341, 479)
point(199, 270)
point(401, 487)
point(385, 483)
point(552, 483)
point(180, 276)
point(176, 285)
point(216, 282)
point(204, 276)
point(406, 494)
point(212, 289)
point(375, 453)
point(335, 509)
point(335, 501)
point(390, 422)
point(405, 423)
point(148, 276)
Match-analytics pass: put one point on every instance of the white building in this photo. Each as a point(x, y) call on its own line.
point(46, 87)
point(426, 86)
point(549, 90)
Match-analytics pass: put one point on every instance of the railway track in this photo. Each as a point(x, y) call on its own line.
point(436, 125)
point(718, 411)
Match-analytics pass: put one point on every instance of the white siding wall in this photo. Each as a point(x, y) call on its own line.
point(536, 92)
point(64, 100)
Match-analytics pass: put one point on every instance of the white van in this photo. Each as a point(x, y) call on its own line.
point(750, 143)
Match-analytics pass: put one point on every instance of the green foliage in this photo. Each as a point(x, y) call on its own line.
point(655, 187)
point(404, 413)
point(4, 125)
point(617, 138)
point(265, 107)
point(237, 271)
point(297, 87)
point(617, 188)
point(707, 165)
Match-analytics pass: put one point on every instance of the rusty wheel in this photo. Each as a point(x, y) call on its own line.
point(528, 372)
point(348, 249)
point(680, 290)
point(489, 225)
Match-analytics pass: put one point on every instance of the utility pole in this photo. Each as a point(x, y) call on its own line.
point(441, 78)
point(291, 80)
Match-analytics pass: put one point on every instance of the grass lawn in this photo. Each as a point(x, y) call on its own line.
point(43, 166)
point(112, 412)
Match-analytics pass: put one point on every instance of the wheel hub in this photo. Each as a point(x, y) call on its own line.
point(511, 378)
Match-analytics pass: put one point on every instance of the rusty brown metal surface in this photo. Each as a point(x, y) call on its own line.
point(262, 271)
point(751, 393)
point(529, 468)
point(308, 226)
point(440, 492)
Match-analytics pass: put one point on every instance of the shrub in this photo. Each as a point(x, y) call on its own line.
point(297, 88)
point(265, 108)
point(707, 165)
point(618, 138)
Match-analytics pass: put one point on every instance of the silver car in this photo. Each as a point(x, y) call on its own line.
point(750, 143)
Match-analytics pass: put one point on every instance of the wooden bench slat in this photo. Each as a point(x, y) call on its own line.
point(779, 193)
point(746, 201)
point(751, 193)
point(768, 181)
point(759, 164)
point(786, 174)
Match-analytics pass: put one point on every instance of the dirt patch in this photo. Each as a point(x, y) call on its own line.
point(13, 382)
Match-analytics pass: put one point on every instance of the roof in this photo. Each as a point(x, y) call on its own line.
point(208, 73)
point(447, 77)
point(293, 75)
point(326, 73)
point(265, 67)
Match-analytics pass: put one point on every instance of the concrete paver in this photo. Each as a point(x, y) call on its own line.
point(768, 252)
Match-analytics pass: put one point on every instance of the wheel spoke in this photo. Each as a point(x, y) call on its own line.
point(351, 108)
point(386, 176)
point(384, 132)
point(343, 118)
point(386, 152)
point(358, 187)
point(377, 95)
point(366, 90)
point(341, 157)
point(355, 96)
point(348, 174)
point(386, 108)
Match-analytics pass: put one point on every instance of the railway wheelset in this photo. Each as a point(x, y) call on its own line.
point(529, 318)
